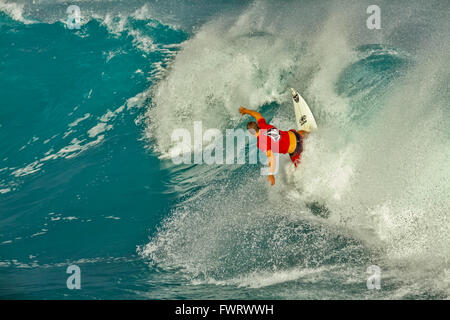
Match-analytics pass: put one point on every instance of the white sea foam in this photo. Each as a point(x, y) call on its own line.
point(266, 278)
point(112, 217)
point(5, 190)
point(99, 128)
point(95, 135)
point(14, 10)
point(77, 121)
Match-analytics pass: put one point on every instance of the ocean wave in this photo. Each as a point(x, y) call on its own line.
point(15, 11)
point(379, 163)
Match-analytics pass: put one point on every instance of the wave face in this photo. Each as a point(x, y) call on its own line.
point(379, 163)
point(85, 128)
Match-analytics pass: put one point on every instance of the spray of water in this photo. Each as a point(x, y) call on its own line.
point(374, 179)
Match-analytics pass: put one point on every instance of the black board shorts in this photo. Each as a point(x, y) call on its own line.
point(299, 147)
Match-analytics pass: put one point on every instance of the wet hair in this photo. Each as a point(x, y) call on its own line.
point(252, 126)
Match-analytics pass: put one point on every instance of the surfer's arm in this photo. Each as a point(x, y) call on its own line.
point(272, 164)
point(303, 133)
point(254, 114)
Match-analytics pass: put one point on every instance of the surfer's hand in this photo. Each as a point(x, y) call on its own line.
point(271, 179)
point(242, 110)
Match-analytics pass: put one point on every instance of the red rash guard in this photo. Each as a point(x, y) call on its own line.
point(270, 138)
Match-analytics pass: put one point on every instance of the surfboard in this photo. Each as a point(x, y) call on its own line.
point(303, 116)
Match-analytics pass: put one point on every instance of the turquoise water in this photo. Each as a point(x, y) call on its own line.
point(86, 118)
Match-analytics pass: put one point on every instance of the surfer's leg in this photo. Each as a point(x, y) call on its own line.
point(295, 158)
point(296, 155)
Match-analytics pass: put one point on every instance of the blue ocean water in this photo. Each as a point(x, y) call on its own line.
point(86, 117)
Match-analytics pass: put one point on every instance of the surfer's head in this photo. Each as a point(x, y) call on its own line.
point(253, 128)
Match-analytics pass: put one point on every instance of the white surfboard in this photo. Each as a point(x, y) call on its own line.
point(303, 116)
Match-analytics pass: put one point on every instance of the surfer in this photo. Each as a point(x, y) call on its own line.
point(271, 140)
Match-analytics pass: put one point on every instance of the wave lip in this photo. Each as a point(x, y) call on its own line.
point(14, 11)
